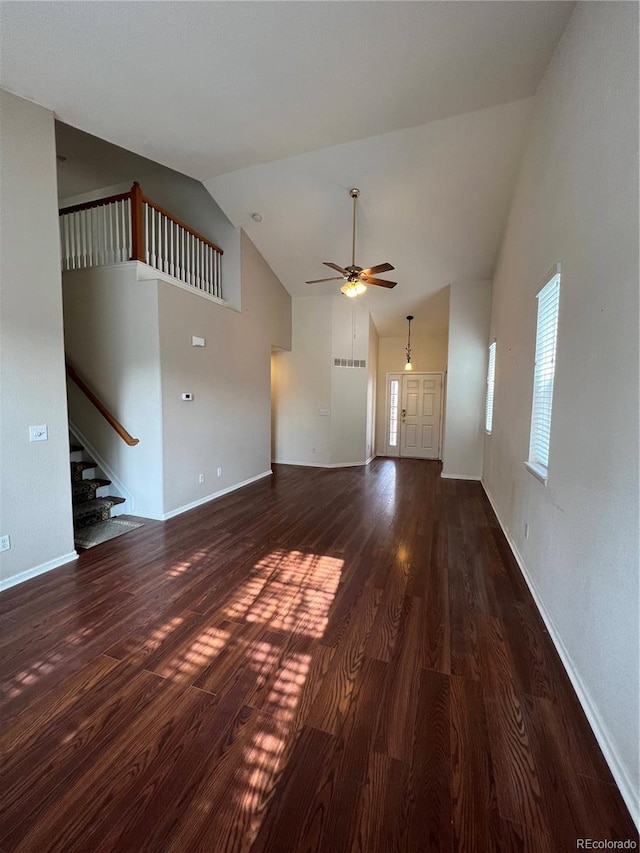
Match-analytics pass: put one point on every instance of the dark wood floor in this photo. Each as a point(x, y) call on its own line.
point(342, 660)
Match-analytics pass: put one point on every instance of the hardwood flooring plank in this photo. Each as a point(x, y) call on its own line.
point(382, 639)
point(378, 799)
point(332, 704)
point(434, 591)
point(476, 821)
point(399, 696)
point(518, 784)
point(430, 811)
point(355, 740)
point(293, 821)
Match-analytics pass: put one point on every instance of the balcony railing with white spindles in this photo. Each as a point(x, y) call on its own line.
point(132, 227)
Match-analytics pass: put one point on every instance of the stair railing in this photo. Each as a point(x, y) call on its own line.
point(132, 227)
point(106, 414)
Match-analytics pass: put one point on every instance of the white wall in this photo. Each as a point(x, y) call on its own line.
point(469, 311)
point(428, 354)
point(372, 388)
point(35, 488)
point(111, 337)
point(321, 411)
point(577, 202)
point(228, 422)
point(303, 382)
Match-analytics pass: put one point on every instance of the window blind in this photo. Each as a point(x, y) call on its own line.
point(545, 365)
point(491, 376)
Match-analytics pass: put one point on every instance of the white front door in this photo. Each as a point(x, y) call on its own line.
point(420, 415)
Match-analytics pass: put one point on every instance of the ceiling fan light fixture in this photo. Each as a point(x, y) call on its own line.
point(353, 288)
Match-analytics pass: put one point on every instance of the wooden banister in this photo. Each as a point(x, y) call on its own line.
point(99, 202)
point(182, 224)
point(106, 414)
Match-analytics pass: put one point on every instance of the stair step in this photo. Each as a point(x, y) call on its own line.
point(86, 490)
point(97, 509)
point(78, 467)
point(75, 448)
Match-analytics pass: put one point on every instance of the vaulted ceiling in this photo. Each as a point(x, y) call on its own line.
point(280, 107)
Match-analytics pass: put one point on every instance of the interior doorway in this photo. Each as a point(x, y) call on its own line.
point(414, 415)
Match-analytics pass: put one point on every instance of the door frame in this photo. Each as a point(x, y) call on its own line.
point(400, 374)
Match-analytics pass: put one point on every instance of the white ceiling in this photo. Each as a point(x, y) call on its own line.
point(210, 88)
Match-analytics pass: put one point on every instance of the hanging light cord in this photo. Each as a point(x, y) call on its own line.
point(409, 318)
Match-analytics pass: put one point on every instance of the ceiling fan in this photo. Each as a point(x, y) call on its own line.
point(356, 278)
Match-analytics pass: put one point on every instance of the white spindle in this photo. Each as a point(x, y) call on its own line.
point(61, 229)
point(103, 222)
point(95, 235)
point(78, 216)
point(165, 247)
point(124, 225)
point(72, 239)
point(85, 240)
point(117, 250)
point(127, 212)
point(172, 266)
point(111, 251)
point(65, 232)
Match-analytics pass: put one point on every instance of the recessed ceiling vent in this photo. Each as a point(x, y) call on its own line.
point(349, 362)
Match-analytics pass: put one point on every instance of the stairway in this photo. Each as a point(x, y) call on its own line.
point(89, 507)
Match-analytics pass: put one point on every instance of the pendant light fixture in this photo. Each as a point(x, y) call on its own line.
point(408, 365)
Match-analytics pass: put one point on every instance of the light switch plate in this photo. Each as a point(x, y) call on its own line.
point(38, 433)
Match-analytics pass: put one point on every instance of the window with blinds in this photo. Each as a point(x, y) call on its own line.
point(545, 366)
point(491, 378)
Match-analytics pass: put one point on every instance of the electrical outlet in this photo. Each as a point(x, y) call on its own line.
point(201, 478)
point(5, 543)
point(219, 472)
point(526, 531)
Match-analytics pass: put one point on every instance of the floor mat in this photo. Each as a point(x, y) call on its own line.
point(102, 531)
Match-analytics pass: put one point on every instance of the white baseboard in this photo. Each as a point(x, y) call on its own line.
point(460, 477)
point(323, 465)
point(21, 577)
point(598, 726)
point(213, 496)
